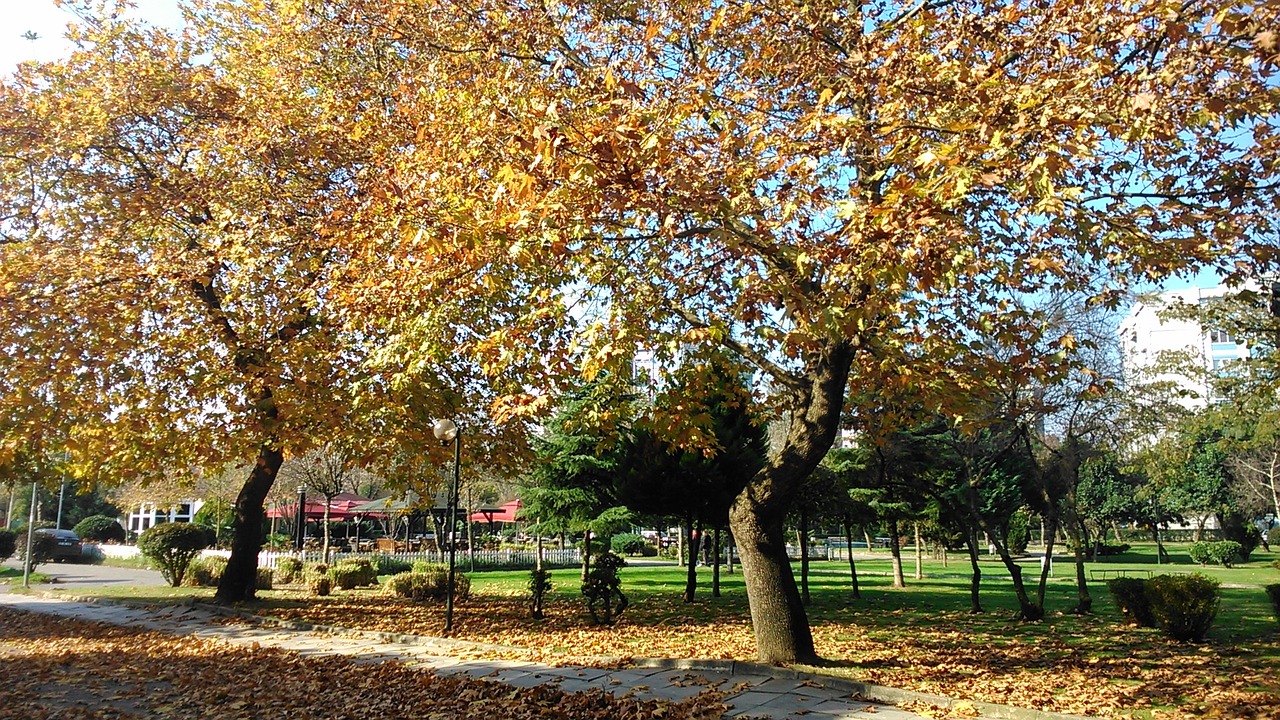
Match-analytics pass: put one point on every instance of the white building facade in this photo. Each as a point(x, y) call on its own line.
point(1146, 338)
point(149, 515)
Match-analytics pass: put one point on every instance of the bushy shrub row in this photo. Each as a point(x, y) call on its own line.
point(1108, 550)
point(351, 573)
point(205, 571)
point(288, 570)
point(1182, 606)
point(433, 585)
point(1273, 592)
point(1223, 552)
point(388, 565)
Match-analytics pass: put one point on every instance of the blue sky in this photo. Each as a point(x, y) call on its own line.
point(45, 19)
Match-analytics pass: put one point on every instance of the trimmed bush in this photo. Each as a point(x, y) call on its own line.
point(421, 586)
point(1273, 592)
point(1273, 536)
point(263, 581)
point(288, 570)
point(1130, 595)
point(205, 571)
point(1223, 552)
point(319, 583)
point(387, 565)
point(352, 573)
point(172, 547)
point(1107, 550)
point(43, 547)
point(8, 544)
point(1184, 606)
point(99, 528)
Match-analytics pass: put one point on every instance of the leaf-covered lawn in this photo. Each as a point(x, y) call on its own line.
point(921, 638)
point(61, 669)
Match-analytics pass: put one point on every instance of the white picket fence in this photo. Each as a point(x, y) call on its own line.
point(482, 559)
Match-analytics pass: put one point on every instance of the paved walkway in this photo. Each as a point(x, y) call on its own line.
point(752, 691)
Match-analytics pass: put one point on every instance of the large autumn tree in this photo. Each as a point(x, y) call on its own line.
point(175, 213)
point(833, 191)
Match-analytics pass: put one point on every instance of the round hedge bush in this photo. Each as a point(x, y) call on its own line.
point(172, 547)
point(99, 528)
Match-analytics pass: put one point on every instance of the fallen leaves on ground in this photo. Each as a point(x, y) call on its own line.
point(57, 668)
point(1134, 671)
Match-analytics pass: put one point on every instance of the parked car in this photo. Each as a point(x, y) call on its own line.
point(69, 547)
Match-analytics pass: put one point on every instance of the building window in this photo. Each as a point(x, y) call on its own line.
point(1221, 336)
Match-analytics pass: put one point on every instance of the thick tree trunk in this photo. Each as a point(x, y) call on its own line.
point(240, 578)
point(758, 515)
point(777, 612)
point(853, 569)
point(802, 539)
point(895, 549)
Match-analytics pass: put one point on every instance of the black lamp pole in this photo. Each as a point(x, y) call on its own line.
point(446, 430)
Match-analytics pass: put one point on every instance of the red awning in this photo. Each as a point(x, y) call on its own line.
point(506, 513)
point(339, 509)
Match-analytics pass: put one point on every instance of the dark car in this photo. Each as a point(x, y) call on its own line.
point(68, 546)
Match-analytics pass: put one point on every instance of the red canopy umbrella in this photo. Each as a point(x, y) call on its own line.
point(506, 513)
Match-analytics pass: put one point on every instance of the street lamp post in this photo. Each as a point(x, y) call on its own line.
point(447, 431)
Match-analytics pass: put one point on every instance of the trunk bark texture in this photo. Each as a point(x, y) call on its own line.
point(715, 564)
point(853, 569)
point(240, 579)
point(975, 584)
point(895, 548)
point(757, 518)
point(691, 576)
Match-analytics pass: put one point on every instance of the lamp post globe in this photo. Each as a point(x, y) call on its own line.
point(445, 430)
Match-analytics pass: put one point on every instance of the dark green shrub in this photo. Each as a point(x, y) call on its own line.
point(205, 571)
point(172, 547)
point(539, 586)
point(1273, 592)
point(1273, 536)
point(1130, 595)
point(627, 544)
point(388, 565)
point(8, 544)
point(427, 585)
point(1108, 550)
point(603, 589)
point(99, 528)
point(44, 546)
point(264, 578)
point(1019, 532)
point(1223, 552)
point(288, 570)
point(1184, 606)
point(1236, 527)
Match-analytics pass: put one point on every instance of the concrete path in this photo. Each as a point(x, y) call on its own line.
point(753, 691)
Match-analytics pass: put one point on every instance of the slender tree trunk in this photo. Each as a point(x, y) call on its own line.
point(975, 584)
point(866, 537)
point(680, 544)
point(895, 548)
point(240, 578)
point(715, 565)
point(327, 502)
point(802, 539)
point(1076, 533)
point(853, 569)
point(919, 555)
point(586, 554)
point(1027, 609)
point(729, 544)
point(691, 576)
point(1046, 565)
